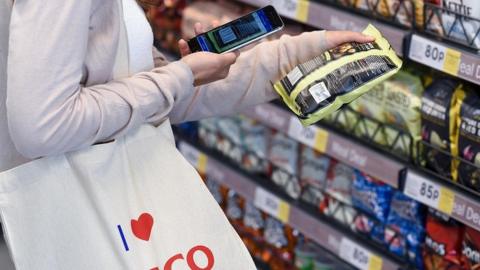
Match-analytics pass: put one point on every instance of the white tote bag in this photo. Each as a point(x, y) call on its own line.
point(135, 203)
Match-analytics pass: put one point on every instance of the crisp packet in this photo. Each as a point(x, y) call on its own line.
point(319, 87)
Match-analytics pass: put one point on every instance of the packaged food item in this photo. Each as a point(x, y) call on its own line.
point(322, 85)
point(440, 107)
point(460, 20)
point(207, 132)
point(404, 231)
point(371, 227)
point(471, 248)
point(339, 181)
point(371, 196)
point(304, 256)
point(282, 239)
point(313, 175)
point(403, 93)
point(230, 140)
point(255, 140)
point(218, 192)
point(401, 11)
point(371, 105)
point(283, 155)
point(234, 208)
point(443, 242)
point(469, 141)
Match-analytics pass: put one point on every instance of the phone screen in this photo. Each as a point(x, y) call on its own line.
point(233, 34)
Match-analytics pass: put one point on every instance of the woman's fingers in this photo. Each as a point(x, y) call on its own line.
point(335, 38)
point(199, 28)
point(183, 48)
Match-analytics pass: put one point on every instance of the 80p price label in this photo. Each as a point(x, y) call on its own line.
point(435, 55)
point(358, 256)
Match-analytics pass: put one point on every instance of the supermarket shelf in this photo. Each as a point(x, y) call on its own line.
point(454, 201)
point(449, 59)
point(327, 17)
point(323, 233)
point(330, 143)
point(439, 195)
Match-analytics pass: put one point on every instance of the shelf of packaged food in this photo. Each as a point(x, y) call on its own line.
point(449, 59)
point(329, 142)
point(435, 194)
point(327, 17)
point(273, 204)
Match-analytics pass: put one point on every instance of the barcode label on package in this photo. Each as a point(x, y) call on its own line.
point(319, 92)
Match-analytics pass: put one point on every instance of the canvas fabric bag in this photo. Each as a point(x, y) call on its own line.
point(135, 203)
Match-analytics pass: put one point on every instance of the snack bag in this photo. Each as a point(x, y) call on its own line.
point(443, 242)
point(460, 19)
point(404, 231)
point(208, 132)
point(255, 140)
point(469, 141)
point(339, 181)
point(321, 86)
point(471, 248)
point(439, 110)
point(403, 93)
point(371, 105)
point(371, 196)
point(313, 175)
point(230, 140)
point(284, 154)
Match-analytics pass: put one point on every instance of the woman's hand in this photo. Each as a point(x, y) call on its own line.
point(206, 67)
point(337, 38)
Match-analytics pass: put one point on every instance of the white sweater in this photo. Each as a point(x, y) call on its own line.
point(61, 95)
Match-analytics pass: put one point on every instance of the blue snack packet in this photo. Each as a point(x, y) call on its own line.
point(405, 232)
point(371, 196)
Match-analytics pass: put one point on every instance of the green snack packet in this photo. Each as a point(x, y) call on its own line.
point(319, 87)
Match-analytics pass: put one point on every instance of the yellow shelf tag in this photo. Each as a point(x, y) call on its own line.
point(447, 201)
point(303, 7)
point(452, 61)
point(321, 140)
point(202, 163)
point(375, 263)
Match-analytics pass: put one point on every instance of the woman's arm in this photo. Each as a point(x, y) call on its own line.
point(49, 111)
point(249, 81)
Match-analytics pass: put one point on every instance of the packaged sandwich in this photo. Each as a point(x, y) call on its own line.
point(439, 110)
point(469, 141)
point(321, 86)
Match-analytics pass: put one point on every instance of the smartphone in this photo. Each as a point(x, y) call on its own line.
point(238, 33)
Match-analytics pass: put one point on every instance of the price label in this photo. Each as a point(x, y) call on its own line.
point(198, 159)
point(435, 55)
point(293, 9)
point(429, 193)
point(312, 136)
point(272, 205)
point(358, 256)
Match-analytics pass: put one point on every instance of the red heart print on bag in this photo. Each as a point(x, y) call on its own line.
point(142, 227)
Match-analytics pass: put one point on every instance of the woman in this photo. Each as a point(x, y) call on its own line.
point(63, 86)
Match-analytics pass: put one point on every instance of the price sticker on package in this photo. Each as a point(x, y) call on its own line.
point(293, 9)
point(312, 136)
point(198, 159)
point(435, 55)
point(272, 205)
point(358, 256)
point(429, 193)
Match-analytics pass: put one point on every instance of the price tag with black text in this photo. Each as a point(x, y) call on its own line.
point(429, 193)
point(435, 55)
point(358, 256)
point(195, 157)
point(272, 205)
point(312, 136)
point(293, 9)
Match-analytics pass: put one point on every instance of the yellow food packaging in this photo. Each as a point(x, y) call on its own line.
point(319, 87)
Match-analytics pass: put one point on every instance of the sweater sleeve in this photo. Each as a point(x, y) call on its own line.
point(49, 111)
point(250, 79)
